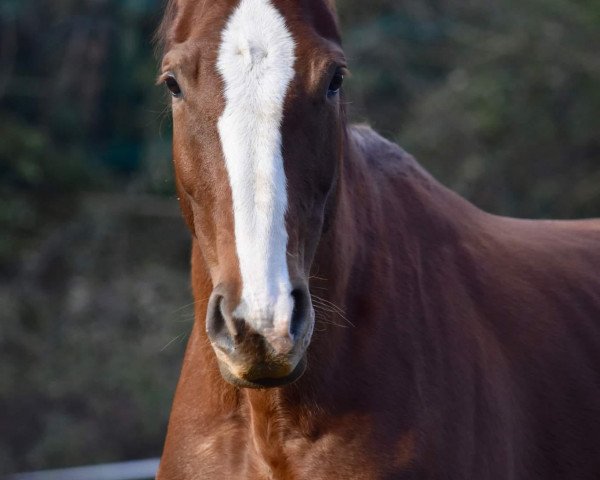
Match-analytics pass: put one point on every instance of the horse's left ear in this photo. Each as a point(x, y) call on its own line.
point(331, 6)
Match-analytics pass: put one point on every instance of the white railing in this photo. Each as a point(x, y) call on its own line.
point(138, 470)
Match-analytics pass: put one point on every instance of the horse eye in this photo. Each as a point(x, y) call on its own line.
point(336, 83)
point(173, 86)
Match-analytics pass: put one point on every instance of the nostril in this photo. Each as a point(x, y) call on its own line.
point(216, 323)
point(299, 313)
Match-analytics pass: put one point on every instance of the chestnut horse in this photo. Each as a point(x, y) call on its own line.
point(354, 319)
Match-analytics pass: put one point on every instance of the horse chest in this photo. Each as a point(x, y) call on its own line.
point(342, 453)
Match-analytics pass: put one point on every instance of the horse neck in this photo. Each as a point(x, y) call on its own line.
point(394, 228)
point(389, 215)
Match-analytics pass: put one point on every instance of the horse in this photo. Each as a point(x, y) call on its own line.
point(355, 319)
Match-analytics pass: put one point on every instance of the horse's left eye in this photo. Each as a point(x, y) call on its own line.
point(173, 86)
point(336, 83)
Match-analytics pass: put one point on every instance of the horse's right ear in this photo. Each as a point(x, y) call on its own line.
point(332, 6)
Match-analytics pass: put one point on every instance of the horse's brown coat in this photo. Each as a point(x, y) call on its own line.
point(469, 344)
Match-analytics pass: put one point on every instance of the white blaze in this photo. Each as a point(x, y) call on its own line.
point(256, 62)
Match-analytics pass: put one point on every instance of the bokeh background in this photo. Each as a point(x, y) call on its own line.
point(499, 99)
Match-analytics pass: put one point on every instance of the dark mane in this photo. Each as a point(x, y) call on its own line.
point(161, 38)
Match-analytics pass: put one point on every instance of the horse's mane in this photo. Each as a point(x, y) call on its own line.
point(162, 32)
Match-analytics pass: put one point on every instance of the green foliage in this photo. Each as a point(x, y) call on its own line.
point(92, 334)
point(91, 289)
point(500, 103)
point(82, 75)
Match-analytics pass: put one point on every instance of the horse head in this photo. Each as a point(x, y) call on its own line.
point(259, 128)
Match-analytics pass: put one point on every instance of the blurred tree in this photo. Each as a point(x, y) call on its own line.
point(91, 289)
point(499, 101)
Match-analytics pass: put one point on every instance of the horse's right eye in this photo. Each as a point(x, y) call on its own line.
point(173, 86)
point(336, 83)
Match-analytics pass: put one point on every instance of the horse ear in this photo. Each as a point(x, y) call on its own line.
point(330, 24)
point(332, 6)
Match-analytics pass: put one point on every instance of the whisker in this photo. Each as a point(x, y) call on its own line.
point(177, 310)
point(318, 288)
point(319, 309)
point(317, 278)
point(171, 342)
point(326, 305)
point(322, 321)
point(189, 305)
point(327, 302)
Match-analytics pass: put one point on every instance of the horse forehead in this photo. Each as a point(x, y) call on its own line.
point(256, 63)
point(197, 31)
point(258, 35)
point(205, 20)
point(193, 20)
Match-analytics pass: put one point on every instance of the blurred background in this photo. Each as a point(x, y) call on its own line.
point(499, 99)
